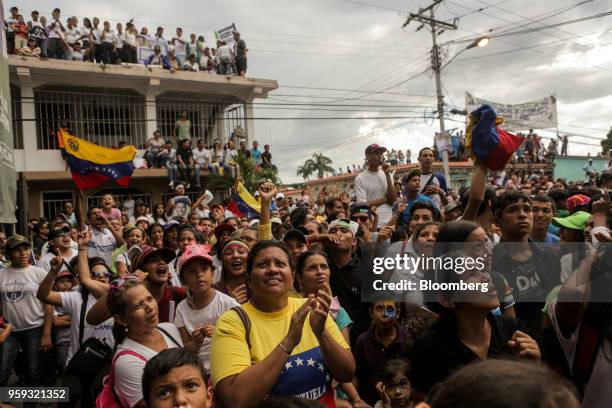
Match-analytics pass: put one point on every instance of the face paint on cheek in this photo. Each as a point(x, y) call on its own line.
point(390, 311)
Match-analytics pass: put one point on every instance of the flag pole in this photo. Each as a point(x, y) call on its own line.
point(80, 210)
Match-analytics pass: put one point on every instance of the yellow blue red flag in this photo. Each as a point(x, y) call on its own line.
point(92, 165)
point(243, 204)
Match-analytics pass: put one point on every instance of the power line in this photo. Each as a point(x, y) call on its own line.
point(361, 3)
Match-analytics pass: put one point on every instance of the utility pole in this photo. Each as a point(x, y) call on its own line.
point(436, 64)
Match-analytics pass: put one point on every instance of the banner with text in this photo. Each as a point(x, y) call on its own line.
point(538, 114)
point(226, 34)
point(8, 187)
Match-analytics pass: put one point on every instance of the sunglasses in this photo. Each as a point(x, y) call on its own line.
point(360, 218)
point(119, 283)
point(100, 275)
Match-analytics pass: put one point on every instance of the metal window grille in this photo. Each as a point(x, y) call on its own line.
point(204, 113)
point(120, 195)
point(102, 116)
point(16, 113)
point(53, 202)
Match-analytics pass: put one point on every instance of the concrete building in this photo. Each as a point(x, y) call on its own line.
point(106, 105)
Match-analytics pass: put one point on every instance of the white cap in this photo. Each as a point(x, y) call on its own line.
point(280, 195)
point(352, 225)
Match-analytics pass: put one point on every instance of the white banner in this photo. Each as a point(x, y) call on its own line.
point(227, 34)
point(538, 114)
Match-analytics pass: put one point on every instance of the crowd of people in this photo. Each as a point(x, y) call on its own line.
point(193, 304)
point(186, 163)
point(43, 37)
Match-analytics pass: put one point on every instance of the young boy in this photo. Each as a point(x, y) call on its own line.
point(385, 340)
point(531, 269)
point(64, 282)
point(196, 316)
point(543, 207)
point(175, 378)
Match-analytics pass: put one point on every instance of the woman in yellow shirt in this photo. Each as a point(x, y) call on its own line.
point(271, 351)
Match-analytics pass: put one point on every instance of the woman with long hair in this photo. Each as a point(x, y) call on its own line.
point(159, 214)
point(233, 277)
point(467, 329)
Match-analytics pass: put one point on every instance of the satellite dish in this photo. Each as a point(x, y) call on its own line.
point(428, 116)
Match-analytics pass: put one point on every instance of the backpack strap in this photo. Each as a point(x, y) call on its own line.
point(84, 297)
point(161, 329)
point(111, 376)
point(244, 317)
point(587, 348)
point(404, 244)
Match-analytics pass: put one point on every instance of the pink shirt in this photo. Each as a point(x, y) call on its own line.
point(115, 213)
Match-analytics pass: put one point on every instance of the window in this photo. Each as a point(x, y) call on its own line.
point(104, 117)
point(53, 202)
point(17, 118)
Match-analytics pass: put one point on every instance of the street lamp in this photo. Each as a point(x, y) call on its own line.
point(479, 42)
point(437, 68)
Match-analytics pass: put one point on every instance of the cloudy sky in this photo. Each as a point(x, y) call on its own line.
point(355, 53)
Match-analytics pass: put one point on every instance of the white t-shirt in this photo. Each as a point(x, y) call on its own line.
point(195, 67)
point(194, 319)
point(180, 48)
point(45, 261)
point(71, 304)
point(102, 244)
point(109, 36)
point(97, 35)
point(18, 287)
point(45, 248)
point(370, 186)
point(201, 157)
point(129, 204)
point(224, 53)
point(597, 392)
point(129, 368)
point(72, 35)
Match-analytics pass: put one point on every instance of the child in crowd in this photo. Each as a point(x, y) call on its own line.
point(108, 208)
point(384, 341)
point(196, 316)
point(175, 378)
point(134, 236)
point(394, 386)
point(64, 282)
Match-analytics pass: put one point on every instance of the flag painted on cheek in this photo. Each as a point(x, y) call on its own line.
point(92, 165)
point(488, 142)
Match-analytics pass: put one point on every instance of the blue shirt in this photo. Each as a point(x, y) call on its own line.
point(255, 154)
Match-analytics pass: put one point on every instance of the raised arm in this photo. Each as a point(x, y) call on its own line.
point(97, 289)
point(476, 193)
point(391, 194)
point(99, 312)
point(45, 293)
point(266, 191)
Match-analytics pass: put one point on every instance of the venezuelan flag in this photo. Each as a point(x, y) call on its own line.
point(92, 165)
point(243, 204)
point(487, 141)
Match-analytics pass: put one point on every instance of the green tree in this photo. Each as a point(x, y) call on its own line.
point(606, 144)
point(319, 164)
point(252, 176)
point(305, 170)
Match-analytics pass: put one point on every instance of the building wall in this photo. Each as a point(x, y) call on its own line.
point(570, 167)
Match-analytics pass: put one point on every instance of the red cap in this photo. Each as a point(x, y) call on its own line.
point(375, 148)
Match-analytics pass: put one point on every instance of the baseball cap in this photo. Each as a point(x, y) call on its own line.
point(138, 203)
point(451, 206)
point(360, 208)
point(17, 240)
point(223, 227)
point(64, 274)
point(59, 232)
point(297, 234)
point(344, 223)
point(143, 218)
point(139, 257)
point(576, 221)
point(375, 148)
point(280, 196)
point(212, 207)
point(276, 220)
point(170, 224)
point(576, 201)
point(195, 251)
point(413, 172)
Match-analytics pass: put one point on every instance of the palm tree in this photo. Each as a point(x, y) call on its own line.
point(320, 163)
point(305, 170)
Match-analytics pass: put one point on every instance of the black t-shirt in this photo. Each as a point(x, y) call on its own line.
point(266, 158)
point(439, 351)
point(345, 283)
point(185, 154)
